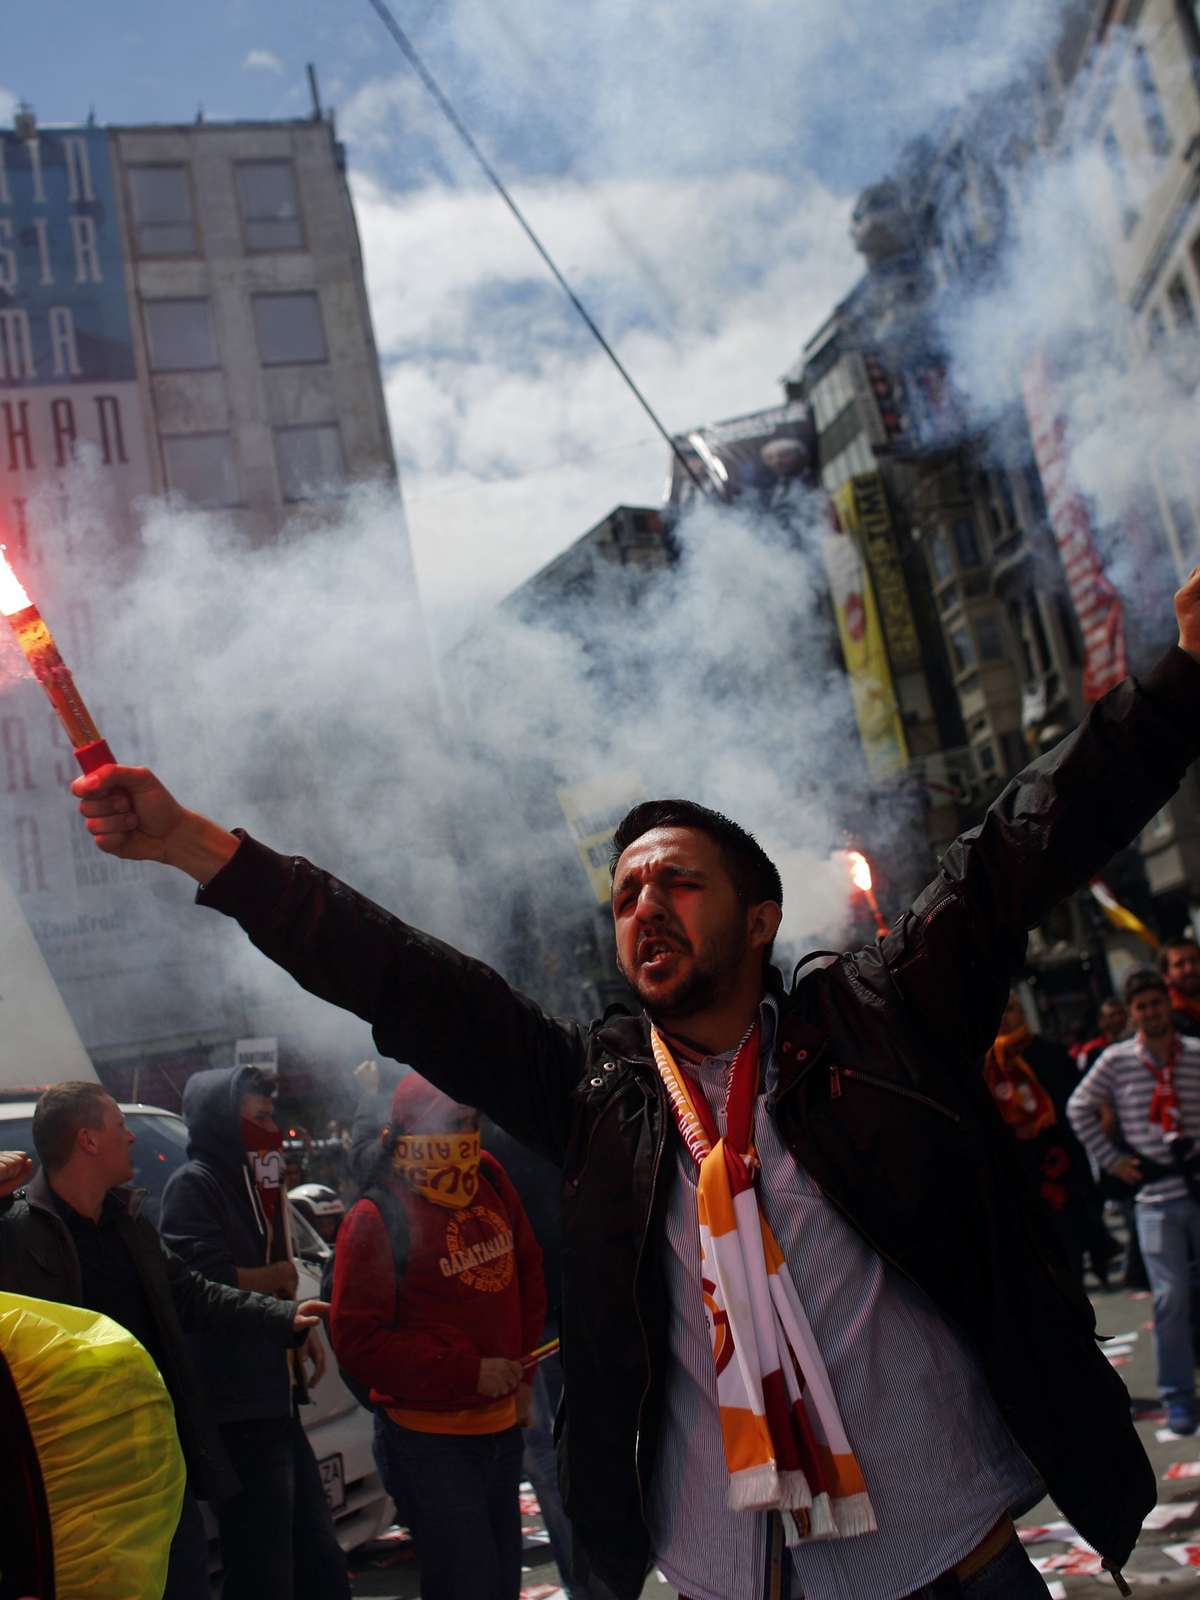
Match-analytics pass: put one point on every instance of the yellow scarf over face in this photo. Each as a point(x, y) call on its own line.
point(442, 1167)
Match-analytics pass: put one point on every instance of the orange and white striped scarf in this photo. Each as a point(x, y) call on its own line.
point(785, 1446)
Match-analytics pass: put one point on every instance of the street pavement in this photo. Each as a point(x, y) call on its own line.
point(1167, 1556)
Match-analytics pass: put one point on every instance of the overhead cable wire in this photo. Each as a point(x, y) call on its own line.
point(407, 49)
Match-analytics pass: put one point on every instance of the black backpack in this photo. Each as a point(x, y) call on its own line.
point(395, 1220)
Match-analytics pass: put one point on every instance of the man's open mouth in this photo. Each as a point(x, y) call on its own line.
point(655, 954)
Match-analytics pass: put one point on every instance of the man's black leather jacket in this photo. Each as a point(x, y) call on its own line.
point(880, 1099)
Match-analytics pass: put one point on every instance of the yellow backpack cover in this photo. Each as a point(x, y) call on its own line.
point(107, 1452)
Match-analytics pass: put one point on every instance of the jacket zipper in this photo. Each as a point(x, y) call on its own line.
point(836, 1074)
point(654, 1171)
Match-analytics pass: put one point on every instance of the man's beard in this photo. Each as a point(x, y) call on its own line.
point(718, 960)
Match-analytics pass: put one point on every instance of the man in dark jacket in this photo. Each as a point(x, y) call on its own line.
point(225, 1212)
point(77, 1236)
point(946, 1331)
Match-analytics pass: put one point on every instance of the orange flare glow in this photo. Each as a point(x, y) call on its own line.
point(12, 597)
point(860, 870)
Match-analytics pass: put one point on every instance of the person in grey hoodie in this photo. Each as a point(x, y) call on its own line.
point(225, 1213)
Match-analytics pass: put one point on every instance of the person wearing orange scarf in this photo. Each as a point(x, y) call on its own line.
point(1030, 1079)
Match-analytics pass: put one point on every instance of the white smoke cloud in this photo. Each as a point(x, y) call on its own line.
point(692, 169)
point(262, 61)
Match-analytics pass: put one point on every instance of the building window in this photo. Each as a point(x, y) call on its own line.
point(989, 636)
point(986, 756)
point(1183, 517)
point(966, 542)
point(1180, 302)
point(270, 205)
point(962, 648)
point(179, 335)
point(289, 329)
point(1157, 131)
point(1114, 160)
point(941, 561)
point(15, 744)
point(162, 211)
point(200, 467)
point(311, 462)
point(31, 869)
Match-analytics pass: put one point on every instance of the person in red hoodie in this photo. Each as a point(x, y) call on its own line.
point(441, 1342)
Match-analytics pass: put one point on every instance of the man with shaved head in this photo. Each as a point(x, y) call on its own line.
point(816, 1338)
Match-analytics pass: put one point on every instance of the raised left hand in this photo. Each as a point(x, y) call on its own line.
point(309, 1314)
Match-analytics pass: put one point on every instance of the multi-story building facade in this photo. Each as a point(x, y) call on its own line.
point(183, 313)
point(1139, 104)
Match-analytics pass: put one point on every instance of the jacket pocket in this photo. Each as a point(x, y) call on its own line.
point(839, 1076)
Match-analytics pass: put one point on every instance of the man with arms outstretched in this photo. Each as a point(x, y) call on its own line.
point(815, 1339)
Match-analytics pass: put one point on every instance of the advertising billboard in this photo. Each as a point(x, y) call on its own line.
point(593, 811)
point(765, 460)
point(876, 710)
point(862, 509)
point(1096, 603)
point(67, 373)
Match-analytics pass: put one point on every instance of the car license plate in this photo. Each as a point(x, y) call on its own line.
point(333, 1481)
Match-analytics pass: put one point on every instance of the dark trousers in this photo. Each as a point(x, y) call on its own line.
point(277, 1538)
point(187, 1571)
point(460, 1495)
point(541, 1468)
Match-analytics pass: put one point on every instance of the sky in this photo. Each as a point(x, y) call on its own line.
point(691, 168)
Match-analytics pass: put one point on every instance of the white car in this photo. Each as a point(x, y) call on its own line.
point(338, 1428)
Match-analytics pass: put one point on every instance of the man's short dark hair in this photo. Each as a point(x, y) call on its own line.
point(1141, 982)
point(58, 1116)
point(755, 876)
point(1183, 942)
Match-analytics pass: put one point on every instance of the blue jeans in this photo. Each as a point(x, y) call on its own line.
point(460, 1494)
point(1167, 1232)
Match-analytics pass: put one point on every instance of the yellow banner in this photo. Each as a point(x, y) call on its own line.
point(865, 515)
point(879, 722)
point(592, 811)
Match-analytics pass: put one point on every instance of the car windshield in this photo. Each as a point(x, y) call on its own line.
point(160, 1146)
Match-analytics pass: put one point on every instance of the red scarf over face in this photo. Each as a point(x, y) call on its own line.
point(264, 1147)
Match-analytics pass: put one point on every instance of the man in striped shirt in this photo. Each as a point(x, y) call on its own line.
point(1152, 1083)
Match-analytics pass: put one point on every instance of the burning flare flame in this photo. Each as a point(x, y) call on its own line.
point(12, 597)
point(860, 870)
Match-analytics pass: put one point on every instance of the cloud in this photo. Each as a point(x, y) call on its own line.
point(504, 412)
point(8, 105)
point(262, 61)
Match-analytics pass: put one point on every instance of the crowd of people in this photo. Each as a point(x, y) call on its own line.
point(818, 1249)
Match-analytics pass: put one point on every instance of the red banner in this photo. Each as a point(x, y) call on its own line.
point(1097, 604)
